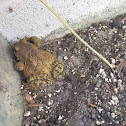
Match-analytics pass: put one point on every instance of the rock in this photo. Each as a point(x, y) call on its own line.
point(27, 113)
point(117, 22)
point(11, 107)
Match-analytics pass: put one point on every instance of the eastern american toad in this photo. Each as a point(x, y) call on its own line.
point(38, 66)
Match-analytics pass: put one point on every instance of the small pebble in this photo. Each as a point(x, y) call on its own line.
point(120, 85)
point(98, 122)
point(42, 121)
point(99, 83)
point(38, 116)
point(29, 92)
point(100, 110)
point(34, 118)
point(96, 89)
point(27, 113)
point(64, 50)
point(106, 79)
point(57, 91)
point(35, 96)
point(114, 100)
point(116, 90)
point(49, 95)
point(113, 60)
point(85, 121)
point(26, 124)
point(101, 71)
point(113, 115)
point(59, 42)
point(22, 87)
point(112, 75)
point(50, 102)
point(114, 80)
point(41, 109)
point(60, 117)
point(65, 58)
point(36, 124)
point(110, 80)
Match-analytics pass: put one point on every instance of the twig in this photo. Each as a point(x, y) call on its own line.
point(35, 105)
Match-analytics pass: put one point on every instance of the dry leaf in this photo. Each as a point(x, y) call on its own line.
point(28, 98)
point(107, 86)
point(121, 65)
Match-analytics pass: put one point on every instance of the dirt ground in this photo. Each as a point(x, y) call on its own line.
point(91, 93)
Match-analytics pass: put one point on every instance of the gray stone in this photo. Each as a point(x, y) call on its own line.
point(11, 105)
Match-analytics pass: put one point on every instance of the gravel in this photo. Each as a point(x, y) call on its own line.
point(91, 93)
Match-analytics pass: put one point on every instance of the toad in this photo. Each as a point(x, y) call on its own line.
point(39, 67)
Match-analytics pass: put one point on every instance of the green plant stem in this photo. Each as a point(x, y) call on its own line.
point(84, 42)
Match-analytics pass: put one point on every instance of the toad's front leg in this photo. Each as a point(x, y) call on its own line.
point(19, 65)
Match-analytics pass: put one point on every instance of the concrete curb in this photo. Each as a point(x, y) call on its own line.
point(32, 18)
point(11, 103)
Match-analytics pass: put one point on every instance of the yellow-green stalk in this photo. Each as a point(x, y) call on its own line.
point(84, 42)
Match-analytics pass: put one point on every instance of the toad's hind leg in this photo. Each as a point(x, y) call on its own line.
point(38, 81)
point(58, 70)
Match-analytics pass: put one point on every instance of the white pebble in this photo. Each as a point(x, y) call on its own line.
point(116, 90)
point(114, 80)
point(106, 79)
point(60, 117)
point(97, 75)
point(40, 108)
point(110, 80)
point(38, 116)
point(59, 42)
point(98, 122)
point(49, 95)
point(35, 96)
point(27, 113)
point(113, 60)
point(65, 50)
point(96, 89)
point(26, 124)
point(112, 75)
point(57, 91)
point(114, 100)
point(120, 80)
point(22, 87)
point(50, 102)
point(100, 110)
point(104, 75)
point(42, 121)
point(115, 31)
point(29, 92)
point(65, 58)
point(121, 87)
point(101, 71)
point(113, 115)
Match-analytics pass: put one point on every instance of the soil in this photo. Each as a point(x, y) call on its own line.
point(91, 93)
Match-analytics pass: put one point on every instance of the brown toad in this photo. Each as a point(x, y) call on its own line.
point(39, 67)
